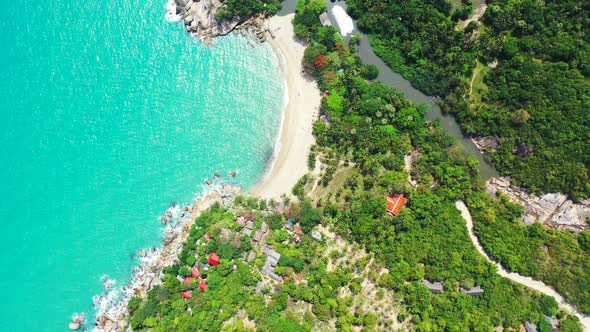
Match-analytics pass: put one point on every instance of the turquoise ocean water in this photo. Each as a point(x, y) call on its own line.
point(108, 113)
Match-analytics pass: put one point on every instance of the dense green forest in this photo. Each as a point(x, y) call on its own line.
point(533, 92)
point(560, 259)
point(371, 128)
point(245, 9)
point(537, 96)
point(374, 127)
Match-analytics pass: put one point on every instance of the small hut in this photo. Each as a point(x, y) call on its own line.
point(530, 327)
point(257, 237)
point(475, 291)
point(325, 20)
point(395, 204)
point(195, 273)
point(435, 287)
point(202, 286)
point(298, 230)
point(213, 259)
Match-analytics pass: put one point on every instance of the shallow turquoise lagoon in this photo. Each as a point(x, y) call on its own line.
point(108, 113)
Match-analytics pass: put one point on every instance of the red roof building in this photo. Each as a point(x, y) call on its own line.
point(241, 221)
point(187, 294)
point(395, 204)
point(296, 238)
point(203, 285)
point(187, 281)
point(298, 230)
point(196, 274)
point(213, 259)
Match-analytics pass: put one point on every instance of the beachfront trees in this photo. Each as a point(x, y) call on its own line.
point(306, 22)
point(245, 9)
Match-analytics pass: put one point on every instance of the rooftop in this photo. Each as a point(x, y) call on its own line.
point(435, 287)
point(477, 290)
point(325, 20)
point(395, 204)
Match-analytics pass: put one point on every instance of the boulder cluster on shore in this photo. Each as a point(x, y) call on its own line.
point(199, 20)
point(111, 306)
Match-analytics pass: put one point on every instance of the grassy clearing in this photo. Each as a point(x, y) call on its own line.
point(331, 190)
point(478, 89)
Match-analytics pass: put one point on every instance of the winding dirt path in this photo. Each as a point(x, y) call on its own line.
point(526, 281)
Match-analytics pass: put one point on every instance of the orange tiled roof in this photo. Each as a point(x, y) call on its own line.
point(395, 204)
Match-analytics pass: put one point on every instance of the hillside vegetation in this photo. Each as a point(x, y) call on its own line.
point(367, 271)
point(536, 95)
point(537, 100)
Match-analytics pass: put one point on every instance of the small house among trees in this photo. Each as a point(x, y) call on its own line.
point(195, 273)
point(325, 20)
point(395, 204)
point(435, 287)
point(187, 294)
point(530, 327)
point(213, 259)
point(475, 291)
point(202, 285)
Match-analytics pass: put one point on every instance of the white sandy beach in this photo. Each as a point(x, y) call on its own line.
point(304, 101)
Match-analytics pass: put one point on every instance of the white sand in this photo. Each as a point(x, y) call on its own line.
point(304, 101)
point(526, 281)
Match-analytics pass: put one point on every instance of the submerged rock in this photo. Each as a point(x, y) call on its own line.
point(76, 322)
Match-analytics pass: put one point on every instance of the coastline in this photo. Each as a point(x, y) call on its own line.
point(295, 135)
point(111, 306)
point(288, 165)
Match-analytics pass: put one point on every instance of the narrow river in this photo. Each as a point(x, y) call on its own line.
point(390, 78)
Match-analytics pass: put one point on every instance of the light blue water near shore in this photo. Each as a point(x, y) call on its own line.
point(108, 114)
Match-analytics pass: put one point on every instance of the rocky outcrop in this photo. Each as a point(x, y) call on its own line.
point(486, 143)
point(553, 210)
point(199, 20)
point(111, 308)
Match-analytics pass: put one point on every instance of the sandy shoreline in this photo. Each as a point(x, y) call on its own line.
point(289, 165)
point(304, 100)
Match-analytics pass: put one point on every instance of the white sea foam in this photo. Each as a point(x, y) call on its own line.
point(277, 147)
point(112, 303)
point(343, 21)
point(171, 15)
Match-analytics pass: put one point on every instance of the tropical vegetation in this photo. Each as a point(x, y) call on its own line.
point(521, 75)
point(366, 131)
